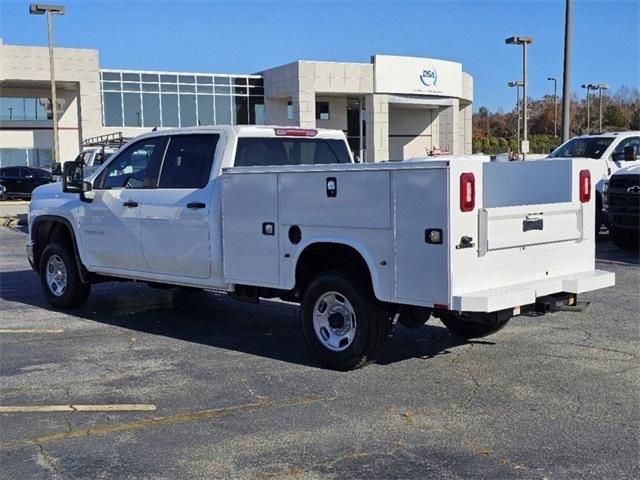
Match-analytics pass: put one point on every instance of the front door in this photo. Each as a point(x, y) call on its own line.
point(110, 235)
point(175, 217)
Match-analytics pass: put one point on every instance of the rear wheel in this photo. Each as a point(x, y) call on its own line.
point(462, 326)
point(344, 325)
point(60, 278)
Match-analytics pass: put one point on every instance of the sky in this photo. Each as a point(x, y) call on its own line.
point(248, 36)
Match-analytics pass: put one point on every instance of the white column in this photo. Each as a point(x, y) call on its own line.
point(377, 127)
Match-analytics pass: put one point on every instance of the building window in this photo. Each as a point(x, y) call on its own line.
point(289, 111)
point(151, 109)
point(32, 157)
point(188, 111)
point(322, 110)
point(205, 110)
point(143, 99)
point(132, 110)
point(19, 108)
point(223, 109)
point(112, 109)
point(170, 111)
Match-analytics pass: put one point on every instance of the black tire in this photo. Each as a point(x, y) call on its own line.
point(624, 240)
point(372, 325)
point(464, 328)
point(75, 292)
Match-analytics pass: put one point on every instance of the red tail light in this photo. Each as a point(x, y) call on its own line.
point(295, 132)
point(585, 186)
point(467, 192)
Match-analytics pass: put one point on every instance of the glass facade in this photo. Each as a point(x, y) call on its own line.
point(33, 157)
point(146, 99)
point(19, 108)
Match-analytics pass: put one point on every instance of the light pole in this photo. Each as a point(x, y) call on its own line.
point(555, 104)
point(589, 86)
point(517, 84)
point(49, 11)
point(566, 71)
point(524, 41)
point(601, 86)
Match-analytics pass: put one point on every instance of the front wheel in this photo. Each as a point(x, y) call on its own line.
point(60, 278)
point(465, 328)
point(343, 324)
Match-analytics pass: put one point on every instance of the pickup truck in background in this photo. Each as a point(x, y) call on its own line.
point(622, 207)
point(613, 150)
point(281, 212)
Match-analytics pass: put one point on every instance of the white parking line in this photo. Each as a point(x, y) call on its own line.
point(123, 407)
point(31, 330)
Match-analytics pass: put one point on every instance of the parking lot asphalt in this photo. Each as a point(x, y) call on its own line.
point(237, 394)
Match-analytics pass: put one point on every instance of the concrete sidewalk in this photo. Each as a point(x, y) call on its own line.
point(13, 212)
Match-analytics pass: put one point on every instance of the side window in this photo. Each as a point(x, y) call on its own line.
point(188, 161)
point(134, 167)
point(634, 142)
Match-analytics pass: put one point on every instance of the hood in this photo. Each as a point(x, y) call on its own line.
point(630, 170)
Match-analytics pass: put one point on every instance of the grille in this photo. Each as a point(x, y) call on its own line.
point(624, 181)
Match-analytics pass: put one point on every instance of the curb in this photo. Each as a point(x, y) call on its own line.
point(13, 220)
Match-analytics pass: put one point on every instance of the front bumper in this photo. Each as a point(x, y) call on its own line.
point(526, 293)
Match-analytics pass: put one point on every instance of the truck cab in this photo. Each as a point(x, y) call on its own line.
point(612, 151)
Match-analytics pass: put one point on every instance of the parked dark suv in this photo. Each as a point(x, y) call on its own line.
point(20, 181)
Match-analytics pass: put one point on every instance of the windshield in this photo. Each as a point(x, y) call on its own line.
point(590, 147)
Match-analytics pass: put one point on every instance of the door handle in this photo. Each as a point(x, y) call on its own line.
point(130, 204)
point(196, 205)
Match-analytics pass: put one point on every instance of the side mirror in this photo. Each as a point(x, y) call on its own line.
point(630, 154)
point(56, 169)
point(73, 181)
point(72, 177)
point(99, 159)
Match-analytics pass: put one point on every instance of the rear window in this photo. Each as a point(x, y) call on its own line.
point(253, 152)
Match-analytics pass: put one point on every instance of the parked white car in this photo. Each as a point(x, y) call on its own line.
point(614, 150)
point(262, 212)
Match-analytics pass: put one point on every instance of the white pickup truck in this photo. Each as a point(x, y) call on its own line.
point(268, 212)
point(612, 151)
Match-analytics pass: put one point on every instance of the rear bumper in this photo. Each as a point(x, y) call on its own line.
point(495, 299)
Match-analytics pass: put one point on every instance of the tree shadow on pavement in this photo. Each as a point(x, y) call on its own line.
point(269, 329)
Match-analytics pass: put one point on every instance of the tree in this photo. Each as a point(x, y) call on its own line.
point(613, 116)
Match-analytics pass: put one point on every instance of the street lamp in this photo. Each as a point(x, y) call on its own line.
point(589, 86)
point(555, 104)
point(601, 86)
point(524, 41)
point(49, 11)
point(517, 84)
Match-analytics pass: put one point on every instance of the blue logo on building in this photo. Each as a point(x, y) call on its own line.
point(429, 77)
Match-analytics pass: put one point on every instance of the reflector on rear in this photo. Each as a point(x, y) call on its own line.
point(467, 192)
point(584, 185)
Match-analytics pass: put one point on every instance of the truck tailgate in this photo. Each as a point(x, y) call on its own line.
point(519, 226)
point(531, 234)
